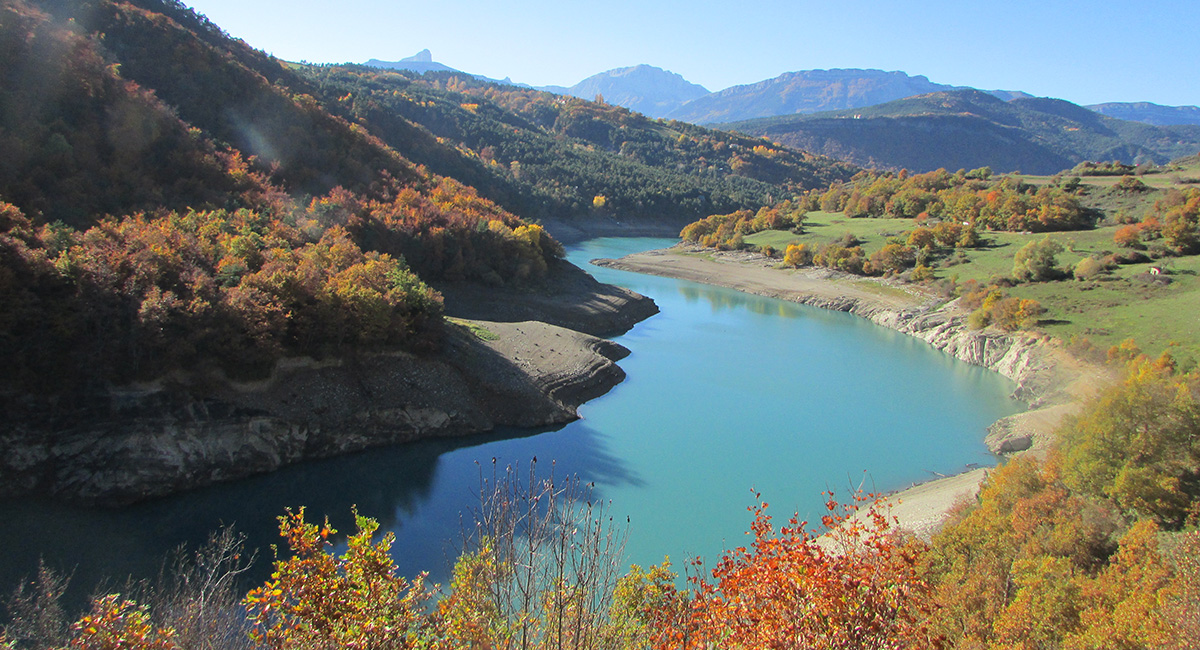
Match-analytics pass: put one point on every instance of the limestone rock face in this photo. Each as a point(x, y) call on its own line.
point(1017, 356)
point(1013, 355)
point(182, 433)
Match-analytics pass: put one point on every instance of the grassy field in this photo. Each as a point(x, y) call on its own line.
point(1178, 175)
point(1127, 303)
point(822, 227)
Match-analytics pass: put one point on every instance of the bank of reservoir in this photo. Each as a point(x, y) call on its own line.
point(726, 393)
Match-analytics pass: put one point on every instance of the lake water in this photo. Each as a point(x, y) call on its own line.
point(726, 393)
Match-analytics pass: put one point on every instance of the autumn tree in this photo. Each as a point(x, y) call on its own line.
point(797, 255)
point(1136, 446)
point(892, 258)
point(855, 587)
point(1036, 261)
point(316, 599)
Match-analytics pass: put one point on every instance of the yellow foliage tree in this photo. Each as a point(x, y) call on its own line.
point(317, 599)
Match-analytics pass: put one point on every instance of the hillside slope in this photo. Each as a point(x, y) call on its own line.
point(182, 219)
point(558, 158)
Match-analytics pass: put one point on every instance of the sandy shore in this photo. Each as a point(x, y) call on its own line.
point(1060, 389)
point(923, 508)
point(752, 273)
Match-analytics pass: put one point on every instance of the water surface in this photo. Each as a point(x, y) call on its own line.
point(726, 392)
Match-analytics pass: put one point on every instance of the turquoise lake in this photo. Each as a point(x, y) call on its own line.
point(726, 393)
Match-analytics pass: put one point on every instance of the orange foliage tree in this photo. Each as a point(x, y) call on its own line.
point(855, 587)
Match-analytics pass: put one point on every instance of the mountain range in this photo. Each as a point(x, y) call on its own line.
point(1149, 113)
point(810, 91)
point(652, 91)
point(655, 92)
point(969, 129)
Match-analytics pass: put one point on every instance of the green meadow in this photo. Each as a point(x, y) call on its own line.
point(1160, 313)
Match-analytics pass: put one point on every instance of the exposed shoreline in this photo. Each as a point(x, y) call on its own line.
point(539, 358)
point(1050, 381)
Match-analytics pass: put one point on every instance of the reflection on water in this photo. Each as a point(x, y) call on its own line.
point(725, 392)
point(416, 490)
point(728, 299)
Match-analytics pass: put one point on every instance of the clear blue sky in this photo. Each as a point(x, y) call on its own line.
point(1085, 52)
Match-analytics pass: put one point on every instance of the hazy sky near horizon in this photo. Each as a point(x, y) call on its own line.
point(1083, 52)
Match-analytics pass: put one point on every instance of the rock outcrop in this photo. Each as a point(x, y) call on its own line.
point(187, 431)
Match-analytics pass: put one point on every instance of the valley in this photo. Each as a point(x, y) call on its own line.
point(306, 354)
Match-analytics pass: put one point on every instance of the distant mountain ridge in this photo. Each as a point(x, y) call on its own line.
point(420, 62)
point(423, 62)
point(1149, 113)
point(805, 91)
point(651, 91)
point(970, 129)
point(655, 92)
point(812, 91)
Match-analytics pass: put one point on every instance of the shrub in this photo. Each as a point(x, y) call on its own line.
point(317, 599)
point(892, 258)
point(1130, 184)
point(922, 237)
point(1036, 261)
point(1088, 268)
point(1014, 313)
point(798, 255)
point(1129, 236)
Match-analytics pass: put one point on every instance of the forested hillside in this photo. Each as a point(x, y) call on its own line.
point(969, 129)
point(166, 180)
point(173, 197)
point(551, 157)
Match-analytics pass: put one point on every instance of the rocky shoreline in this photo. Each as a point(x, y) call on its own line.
point(1049, 380)
point(1023, 358)
point(188, 430)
